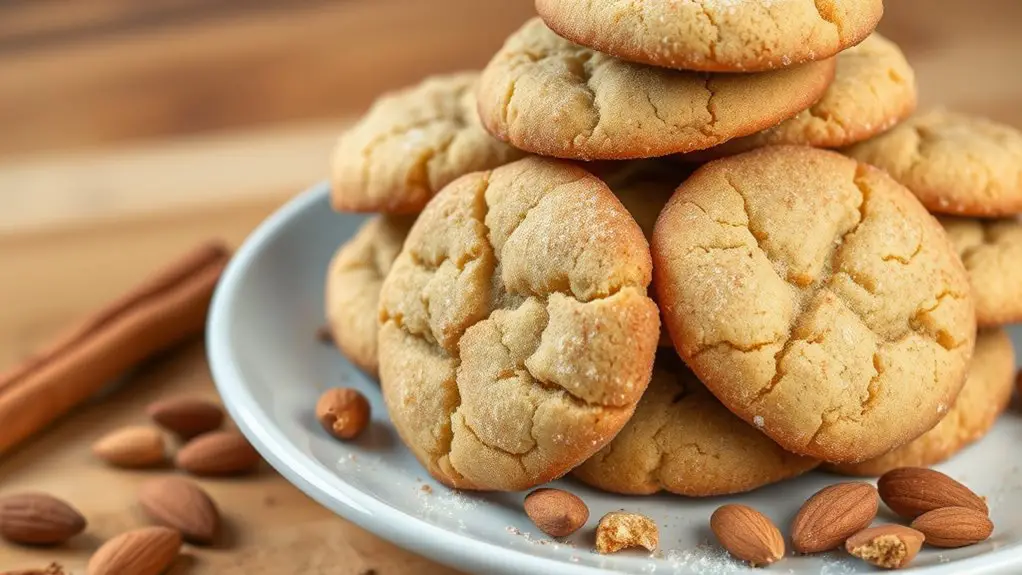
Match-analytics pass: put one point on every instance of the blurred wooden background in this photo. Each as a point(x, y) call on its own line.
point(81, 73)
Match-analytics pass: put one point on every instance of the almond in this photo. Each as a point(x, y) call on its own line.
point(186, 417)
point(619, 530)
point(954, 526)
point(180, 504)
point(218, 453)
point(343, 412)
point(131, 447)
point(747, 534)
point(38, 519)
point(887, 546)
point(557, 513)
point(912, 491)
point(832, 515)
point(145, 551)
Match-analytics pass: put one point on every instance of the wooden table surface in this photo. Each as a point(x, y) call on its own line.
point(79, 226)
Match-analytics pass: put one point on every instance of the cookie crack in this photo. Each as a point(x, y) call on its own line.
point(709, 129)
point(518, 457)
point(825, 8)
point(397, 131)
point(712, 42)
point(736, 346)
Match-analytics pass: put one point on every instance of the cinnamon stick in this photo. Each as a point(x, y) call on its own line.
point(159, 313)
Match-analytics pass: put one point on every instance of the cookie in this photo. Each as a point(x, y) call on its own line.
point(549, 96)
point(410, 144)
point(811, 294)
point(682, 440)
point(516, 335)
point(353, 284)
point(985, 395)
point(711, 35)
point(874, 88)
point(991, 251)
point(955, 164)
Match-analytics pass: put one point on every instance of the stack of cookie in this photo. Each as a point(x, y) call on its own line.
point(747, 176)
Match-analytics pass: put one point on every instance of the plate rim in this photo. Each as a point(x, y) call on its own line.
point(334, 493)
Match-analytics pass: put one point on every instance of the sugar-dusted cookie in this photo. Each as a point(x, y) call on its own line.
point(874, 88)
point(410, 144)
point(992, 253)
point(682, 440)
point(714, 35)
point(516, 335)
point(353, 286)
point(812, 295)
point(955, 164)
point(547, 95)
point(985, 395)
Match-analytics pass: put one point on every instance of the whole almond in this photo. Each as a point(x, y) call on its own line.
point(343, 412)
point(832, 515)
point(179, 503)
point(912, 491)
point(131, 447)
point(186, 417)
point(145, 551)
point(557, 513)
point(954, 526)
point(888, 546)
point(38, 519)
point(218, 453)
point(747, 534)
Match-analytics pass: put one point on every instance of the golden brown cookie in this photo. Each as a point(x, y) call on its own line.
point(711, 35)
point(955, 164)
point(682, 440)
point(874, 88)
point(811, 294)
point(410, 144)
point(985, 395)
point(353, 284)
point(516, 335)
point(992, 253)
point(547, 95)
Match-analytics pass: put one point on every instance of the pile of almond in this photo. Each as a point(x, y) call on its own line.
point(942, 511)
point(182, 509)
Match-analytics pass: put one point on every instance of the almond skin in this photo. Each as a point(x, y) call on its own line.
point(38, 519)
point(888, 546)
point(180, 504)
point(557, 513)
point(131, 447)
point(218, 453)
point(747, 534)
point(912, 491)
point(832, 515)
point(145, 551)
point(954, 526)
point(186, 417)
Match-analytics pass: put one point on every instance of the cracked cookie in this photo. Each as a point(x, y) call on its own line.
point(992, 253)
point(985, 395)
point(711, 35)
point(549, 96)
point(410, 144)
point(874, 88)
point(516, 336)
point(955, 164)
point(353, 284)
point(682, 440)
point(816, 298)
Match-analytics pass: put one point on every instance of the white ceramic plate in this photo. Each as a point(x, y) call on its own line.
point(270, 370)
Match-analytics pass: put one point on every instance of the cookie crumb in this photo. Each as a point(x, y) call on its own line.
point(758, 420)
point(618, 530)
point(426, 489)
point(324, 335)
